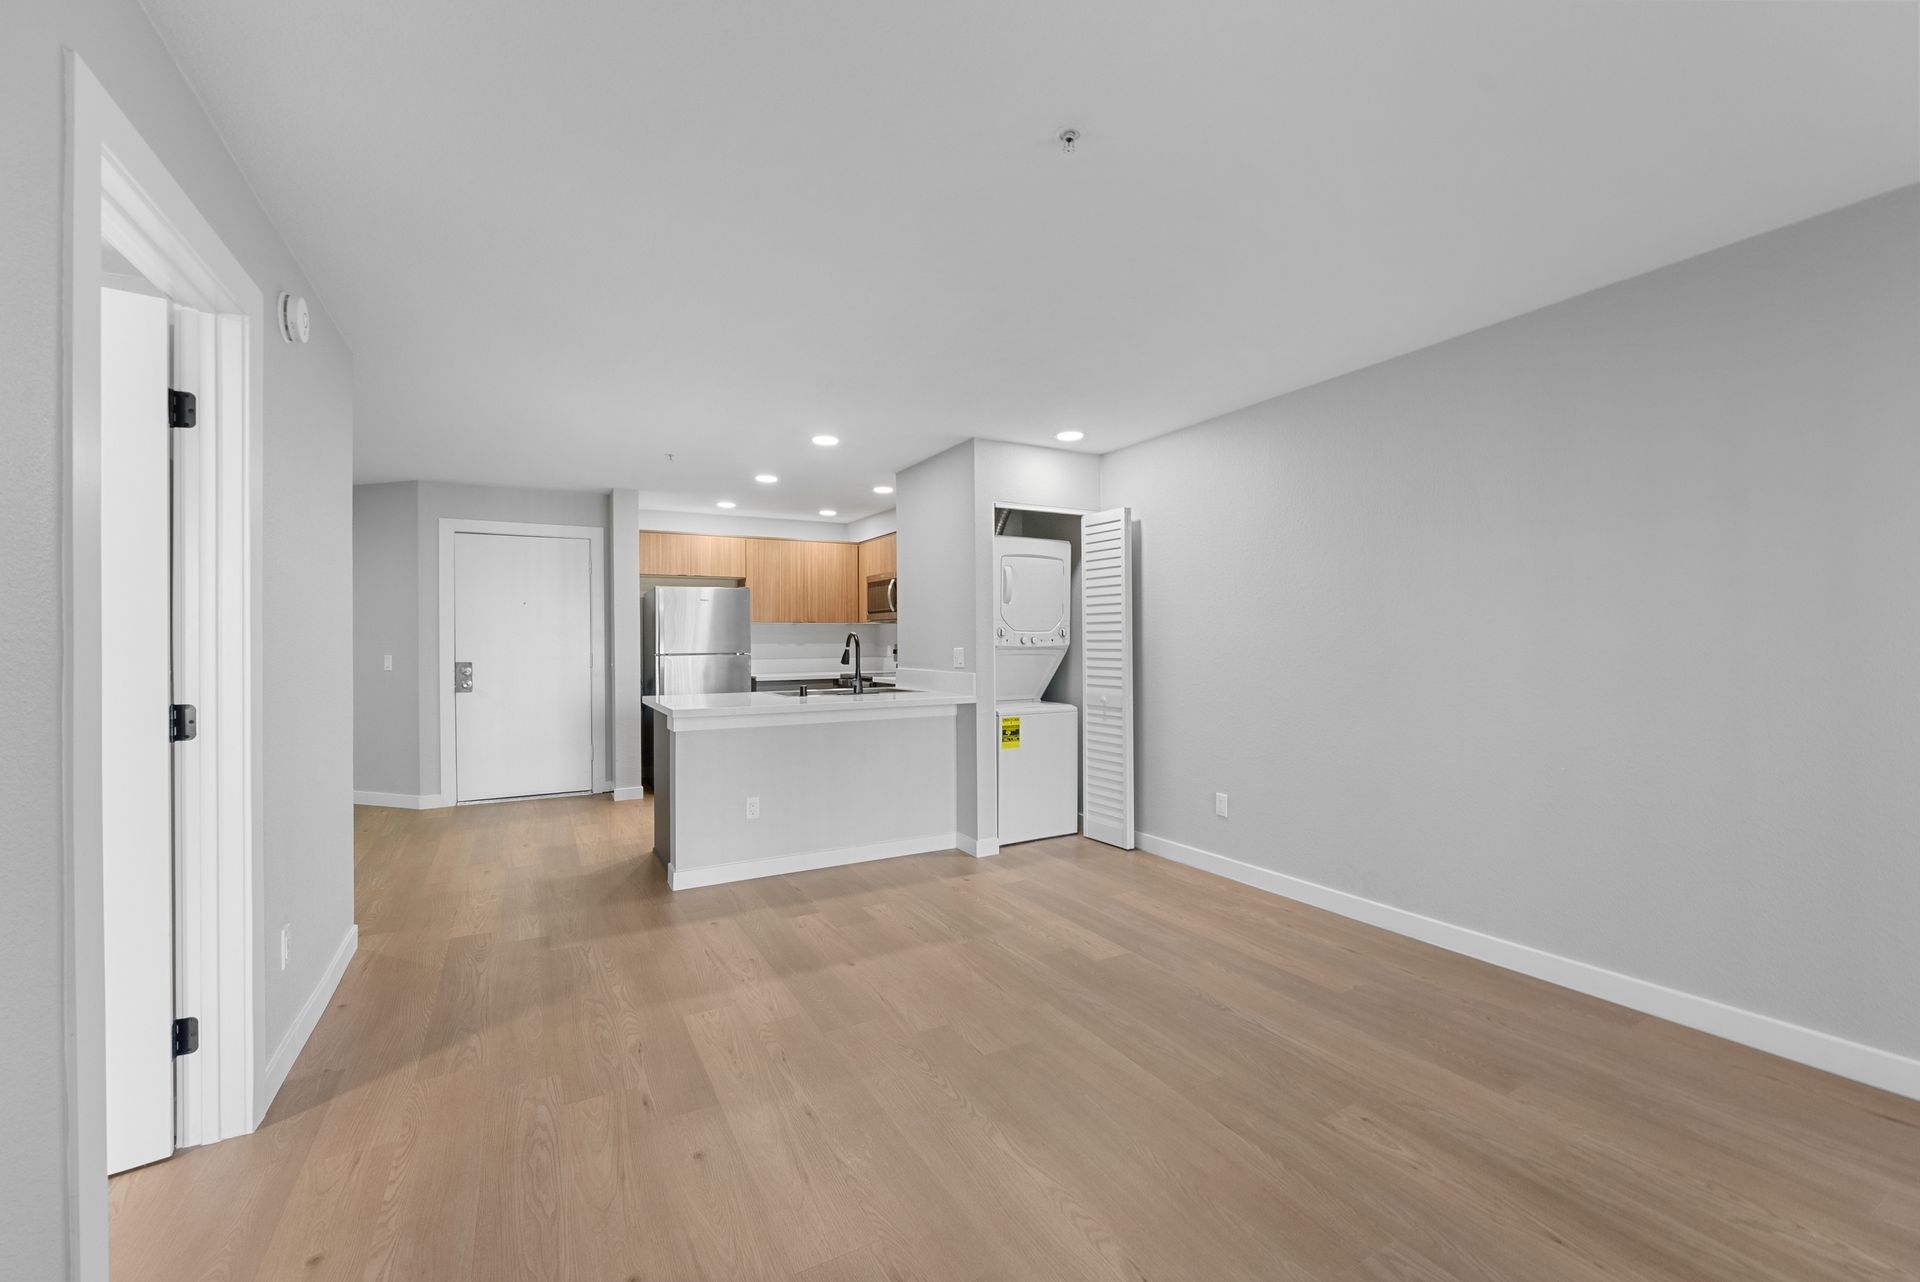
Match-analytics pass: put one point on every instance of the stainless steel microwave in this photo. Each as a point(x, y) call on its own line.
point(883, 596)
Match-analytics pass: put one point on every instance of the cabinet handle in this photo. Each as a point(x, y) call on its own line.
point(893, 602)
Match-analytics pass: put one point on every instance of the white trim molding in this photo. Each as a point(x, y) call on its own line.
point(635, 793)
point(442, 680)
point(120, 195)
point(807, 861)
point(1875, 1067)
point(398, 800)
point(978, 847)
point(311, 1010)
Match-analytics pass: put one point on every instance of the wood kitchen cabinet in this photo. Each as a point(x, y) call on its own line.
point(877, 559)
point(803, 581)
point(793, 580)
point(713, 556)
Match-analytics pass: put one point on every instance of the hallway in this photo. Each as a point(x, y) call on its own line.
point(1065, 1062)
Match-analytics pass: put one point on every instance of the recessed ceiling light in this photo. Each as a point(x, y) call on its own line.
point(725, 503)
point(827, 511)
point(1069, 436)
point(826, 440)
point(766, 478)
point(883, 489)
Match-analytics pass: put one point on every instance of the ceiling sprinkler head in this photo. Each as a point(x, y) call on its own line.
point(1068, 137)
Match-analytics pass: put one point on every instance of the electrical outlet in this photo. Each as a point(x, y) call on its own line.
point(959, 656)
point(286, 945)
point(386, 661)
point(753, 807)
point(1220, 804)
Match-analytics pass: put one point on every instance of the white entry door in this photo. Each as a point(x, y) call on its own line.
point(523, 711)
point(1106, 681)
point(136, 752)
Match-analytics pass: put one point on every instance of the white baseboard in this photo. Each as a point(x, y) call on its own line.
point(978, 847)
point(1885, 1069)
point(398, 800)
point(629, 794)
point(310, 1011)
point(747, 869)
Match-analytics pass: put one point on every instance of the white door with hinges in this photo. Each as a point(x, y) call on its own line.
point(136, 697)
point(523, 648)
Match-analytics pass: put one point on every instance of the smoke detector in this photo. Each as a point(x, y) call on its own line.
point(295, 325)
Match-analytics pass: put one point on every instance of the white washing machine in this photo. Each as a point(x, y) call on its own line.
point(1039, 753)
point(1039, 770)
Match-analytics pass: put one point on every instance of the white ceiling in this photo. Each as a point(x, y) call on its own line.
point(565, 239)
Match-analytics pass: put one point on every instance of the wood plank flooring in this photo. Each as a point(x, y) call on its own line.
point(1064, 1063)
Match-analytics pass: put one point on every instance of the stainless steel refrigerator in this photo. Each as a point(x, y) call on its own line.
point(693, 641)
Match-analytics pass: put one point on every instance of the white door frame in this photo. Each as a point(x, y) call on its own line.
point(987, 740)
point(442, 677)
point(120, 196)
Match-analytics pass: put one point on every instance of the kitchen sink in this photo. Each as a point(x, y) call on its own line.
point(837, 692)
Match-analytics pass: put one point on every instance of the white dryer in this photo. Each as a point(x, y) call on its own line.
point(1033, 593)
point(1039, 752)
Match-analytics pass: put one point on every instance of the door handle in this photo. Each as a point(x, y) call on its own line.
point(463, 678)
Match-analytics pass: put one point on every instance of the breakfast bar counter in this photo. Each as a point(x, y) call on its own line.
point(753, 785)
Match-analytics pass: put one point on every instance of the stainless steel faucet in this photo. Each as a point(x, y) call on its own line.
point(852, 648)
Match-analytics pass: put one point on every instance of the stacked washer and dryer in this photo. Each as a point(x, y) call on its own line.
point(1039, 756)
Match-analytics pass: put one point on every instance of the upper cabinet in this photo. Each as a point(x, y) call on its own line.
point(877, 561)
point(793, 580)
point(711, 556)
point(803, 581)
point(877, 558)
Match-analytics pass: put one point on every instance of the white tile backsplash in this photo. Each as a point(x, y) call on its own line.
point(788, 644)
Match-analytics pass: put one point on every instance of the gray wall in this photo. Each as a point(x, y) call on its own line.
point(386, 621)
point(934, 547)
point(624, 671)
point(1594, 630)
point(308, 716)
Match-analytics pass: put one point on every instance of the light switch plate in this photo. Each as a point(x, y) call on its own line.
point(1220, 804)
point(753, 807)
point(386, 661)
point(959, 656)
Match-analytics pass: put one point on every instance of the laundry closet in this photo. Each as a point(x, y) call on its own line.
point(1036, 584)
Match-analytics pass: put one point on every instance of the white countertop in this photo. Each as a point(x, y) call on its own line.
point(762, 706)
point(789, 670)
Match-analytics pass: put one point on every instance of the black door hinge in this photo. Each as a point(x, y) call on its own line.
point(186, 1036)
point(182, 409)
point(182, 723)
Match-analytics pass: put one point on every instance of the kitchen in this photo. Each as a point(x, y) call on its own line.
point(783, 735)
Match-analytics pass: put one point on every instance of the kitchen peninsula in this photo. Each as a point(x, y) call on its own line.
point(754, 785)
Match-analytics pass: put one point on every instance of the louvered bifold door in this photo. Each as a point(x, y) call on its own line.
point(1106, 689)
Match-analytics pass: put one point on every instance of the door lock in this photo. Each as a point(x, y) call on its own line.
point(463, 678)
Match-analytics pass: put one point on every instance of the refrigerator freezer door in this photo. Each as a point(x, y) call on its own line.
point(702, 621)
point(702, 674)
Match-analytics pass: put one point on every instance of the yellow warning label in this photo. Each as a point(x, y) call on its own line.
point(1009, 732)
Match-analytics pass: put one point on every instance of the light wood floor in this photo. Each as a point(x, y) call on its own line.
point(1063, 1063)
